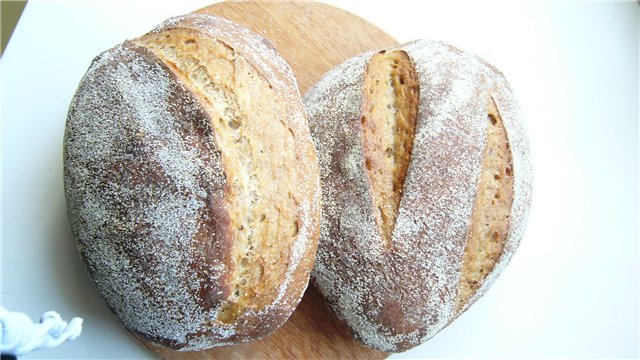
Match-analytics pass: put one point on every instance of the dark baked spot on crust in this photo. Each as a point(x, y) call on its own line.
point(212, 241)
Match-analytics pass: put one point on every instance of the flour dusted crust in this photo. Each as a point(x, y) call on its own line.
point(395, 296)
point(197, 227)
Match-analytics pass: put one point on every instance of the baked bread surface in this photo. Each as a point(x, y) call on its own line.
point(192, 183)
point(463, 202)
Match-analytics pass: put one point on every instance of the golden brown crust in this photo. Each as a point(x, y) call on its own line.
point(192, 184)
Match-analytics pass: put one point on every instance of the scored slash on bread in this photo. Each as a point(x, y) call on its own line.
point(389, 110)
point(426, 188)
point(192, 183)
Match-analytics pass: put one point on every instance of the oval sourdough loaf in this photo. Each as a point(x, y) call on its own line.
point(192, 183)
point(426, 188)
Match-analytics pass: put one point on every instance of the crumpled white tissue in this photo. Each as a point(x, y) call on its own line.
point(21, 336)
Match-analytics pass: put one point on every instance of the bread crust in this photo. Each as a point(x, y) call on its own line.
point(147, 194)
point(396, 297)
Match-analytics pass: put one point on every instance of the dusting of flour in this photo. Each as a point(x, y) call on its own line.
point(395, 298)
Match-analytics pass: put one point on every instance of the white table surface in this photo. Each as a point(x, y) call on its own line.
point(570, 291)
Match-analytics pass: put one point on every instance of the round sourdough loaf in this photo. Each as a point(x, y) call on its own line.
point(426, 188)
point(192, 183)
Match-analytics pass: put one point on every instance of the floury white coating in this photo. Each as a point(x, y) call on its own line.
point(143, 178)
point(395, 298)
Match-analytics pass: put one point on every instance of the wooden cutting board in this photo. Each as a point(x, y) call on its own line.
point(313, 38)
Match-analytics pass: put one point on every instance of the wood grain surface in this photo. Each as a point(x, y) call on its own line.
point(313, 38)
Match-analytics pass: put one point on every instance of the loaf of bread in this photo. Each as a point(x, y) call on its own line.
point(192, 183)
point(426, 185)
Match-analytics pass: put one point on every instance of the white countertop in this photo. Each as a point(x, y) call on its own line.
point(570, 291)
